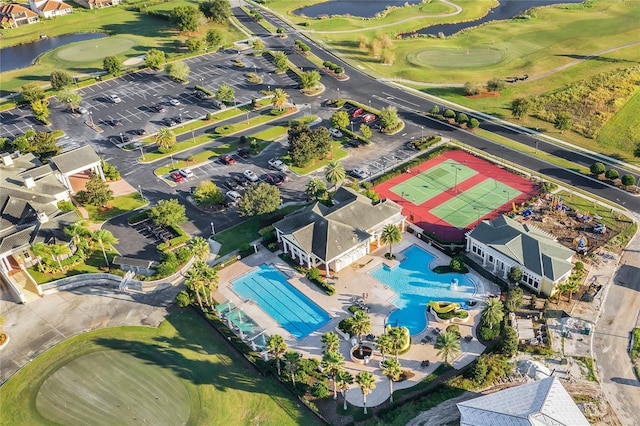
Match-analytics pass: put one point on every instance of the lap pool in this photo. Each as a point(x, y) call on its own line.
point(268, 287)
point(416, 284)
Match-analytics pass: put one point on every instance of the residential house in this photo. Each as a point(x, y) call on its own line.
point(50, 8)
point(97, 4)
point(503, 243)
point(339, 235)
point(541, 403)
point(13, 15)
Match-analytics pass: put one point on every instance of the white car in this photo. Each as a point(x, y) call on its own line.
point(115, 99)
point(360, 173)
point(278, 165)
point(174, 102)
point(82, 110)
point(233, 195)
point(250, 175)
point(186, 173)
point(335, 132)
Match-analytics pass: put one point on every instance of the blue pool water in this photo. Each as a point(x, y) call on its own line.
point(268, 287)
point(416, 285)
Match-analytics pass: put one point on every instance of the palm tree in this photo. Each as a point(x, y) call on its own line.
point(332, 364)
point(194, 282)
point(77, 230)
point(493, 312)
point(367, 383)
point(202, 277)
point(391, 235)
point(57, 251)
point(397, 337)
point(199, 248)
point(330, 341)
point(105, 239)
point(40, 250)
point(391, 368)
point(360, 325)
point(335, 173)
point(315, 188)
point(448, 345)
point(277, 347)
point(292, 364)
point(165, 138)
point(345, 380)
point(384, 345)
point(279, 99)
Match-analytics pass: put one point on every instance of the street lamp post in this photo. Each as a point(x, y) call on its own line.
point(421, 132)
point(351, 126)
point(121, 138)
point(141, 194)
point(507, 194)
point(213, 230)
point(193, 136)
point(477, 210)
point(91, 118)
point(141, 153)
point(455, 184)
point(369, 103)
point(536, 146)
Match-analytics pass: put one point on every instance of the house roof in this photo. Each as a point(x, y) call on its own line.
point(50, 5)
point(541, 403)
point(75, 159)
point(50, 231)
point(327, 232)
point(13, 9)
point(531, 247)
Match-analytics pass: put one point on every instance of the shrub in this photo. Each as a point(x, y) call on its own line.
point(313, 274)
point(138, 217)
point(183, 299)
point(65, 206)
point(457, 264)
point(597, 169)
point(223, 130)
point(487, 333)
point(320, 389)
point(453, 328)
point(204, 90)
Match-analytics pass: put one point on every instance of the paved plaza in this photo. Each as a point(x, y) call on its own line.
point(351, 283)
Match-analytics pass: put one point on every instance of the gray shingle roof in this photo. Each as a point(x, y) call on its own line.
point(541, 403)
point(75, 159)
point(328, 232)
point(529, 246)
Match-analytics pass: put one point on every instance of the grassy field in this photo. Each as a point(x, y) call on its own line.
point(93, 265)
point(624, 127)
point(119, 205)
point(220, 389)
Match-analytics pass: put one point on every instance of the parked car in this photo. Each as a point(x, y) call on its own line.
point(216, 103)
point(115, 99)
point(357, 113)
point(231, 184)
point(251, 175)
point(241, 179)
point(233, 196)
point(186, 173)
point(177, 177)
point(359, 173)
point(168, 121)
point(278, 165)
point(335, 132)
point(355, 143)
point(274, 179)
point(115, 122)
point(283, 177)
point(367, 118)
point(123, 138)
point(139, 132)
point(174, 102)
point(243, 153)
point(158, 108)
point(81, 110)
point(227, 159)
point(200, 94)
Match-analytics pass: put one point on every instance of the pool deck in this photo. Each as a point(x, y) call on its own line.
point(351, 283)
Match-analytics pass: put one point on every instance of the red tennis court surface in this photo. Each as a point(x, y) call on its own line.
point(429, 214)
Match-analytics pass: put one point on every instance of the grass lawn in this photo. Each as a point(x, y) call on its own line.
point(220, 388)
point(247, 231)
point(94, 264)
point(337, 153)
point(623, 130)
point(117, 206)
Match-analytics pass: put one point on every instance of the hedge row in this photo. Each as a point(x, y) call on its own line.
point(424, 143)
point(204, 90)
point(302, 46)
point(182, 238)
point(138, 217)
point(333, 67)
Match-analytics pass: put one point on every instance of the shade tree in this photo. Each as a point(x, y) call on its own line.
point(259, 199)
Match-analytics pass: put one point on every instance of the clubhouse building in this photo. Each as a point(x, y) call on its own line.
point(337, 236)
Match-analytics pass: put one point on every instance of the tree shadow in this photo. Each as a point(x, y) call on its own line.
point(595, 58)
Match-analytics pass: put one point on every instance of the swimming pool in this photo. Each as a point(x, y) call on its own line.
point(268, 287)
point(416, 285)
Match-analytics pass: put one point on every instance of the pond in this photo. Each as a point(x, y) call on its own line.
point(24, 55)
point(507, 9)
point(362, 8)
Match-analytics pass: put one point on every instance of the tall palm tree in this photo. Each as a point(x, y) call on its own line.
point(448, 345)
point(57, 251)
point(199, 248)
point(105, 239)
point(360, 325)
point(202, 277)
point(397, 337)
point(194, 282)
point(391, 235)
point(292, 364)
point(77, 230)
point(279, 99)
point(277, 347)
point(330, 341)
point(335, 173)
point(384, 345)
point(367, 383)
point(332, 364)
point(493, 312)
point(315, 188)
point(345, 380)
point(40, 250)
point(165, 138)
point(391, 368)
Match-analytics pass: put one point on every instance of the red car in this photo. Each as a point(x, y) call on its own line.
point(357, 113)
point(177, 177)
point(227, 159)
point(274, 179)
point(368, 118)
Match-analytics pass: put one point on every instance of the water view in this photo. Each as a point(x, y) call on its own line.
point(362, 8)
point(24, 55)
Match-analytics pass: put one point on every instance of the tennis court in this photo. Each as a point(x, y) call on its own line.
point(448, 195)
point(430, 183)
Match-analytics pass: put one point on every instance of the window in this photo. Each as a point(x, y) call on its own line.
point(490, 259)
point(26, 255)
